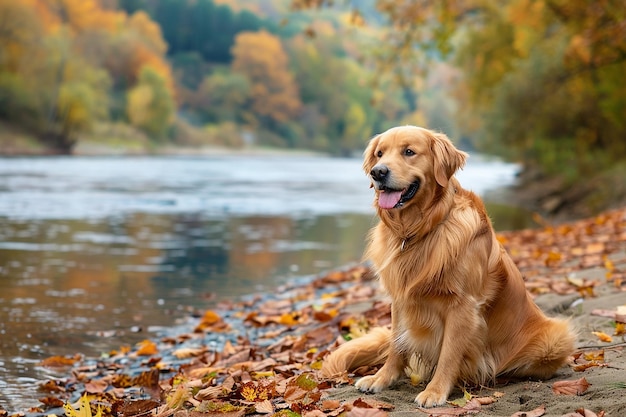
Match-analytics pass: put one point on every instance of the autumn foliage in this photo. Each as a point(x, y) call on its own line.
point(62, 58)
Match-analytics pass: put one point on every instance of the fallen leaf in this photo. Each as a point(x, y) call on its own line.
point(366, 412)
point(134, 408)
point(84, 408)
point(264, 407)
point(473, 406)
point(59, 361)
point(147, 348)
point(96, 386)
point(575, 387)
point(372, 403)
point(603, 337)
point(585, 366)
point(594, 355)
point(51, 402)
point(185, 353)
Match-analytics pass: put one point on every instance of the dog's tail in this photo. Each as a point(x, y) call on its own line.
point(371, 349)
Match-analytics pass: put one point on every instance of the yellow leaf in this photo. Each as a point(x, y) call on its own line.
point(603, 337)
point(596, 355)
point(620, 329)
point(289, 319)
point(84, 408)
point(553, 258)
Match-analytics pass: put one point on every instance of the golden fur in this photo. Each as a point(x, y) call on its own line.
point(460, 310)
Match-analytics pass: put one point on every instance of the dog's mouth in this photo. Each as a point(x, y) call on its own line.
point(389, 198)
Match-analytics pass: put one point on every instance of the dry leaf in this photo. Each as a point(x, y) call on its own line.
point(184, 353)
point(603, 337)
point(96, 386)
point(147, 348)
point(576, 387)
point(366, 412)
point(264, 407)
point(585, 366)
point(594, 355)
point(59, 361)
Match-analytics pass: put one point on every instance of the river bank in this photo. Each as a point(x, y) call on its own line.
point(260, 355)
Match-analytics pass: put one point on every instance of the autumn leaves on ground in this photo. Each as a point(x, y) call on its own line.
point(261, 356)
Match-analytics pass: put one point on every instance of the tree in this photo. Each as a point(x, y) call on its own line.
point(223, 96)
point(150, 104)
point(541, 74)
point(261, 58)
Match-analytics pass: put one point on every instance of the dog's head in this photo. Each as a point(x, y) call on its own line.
point(405, 162)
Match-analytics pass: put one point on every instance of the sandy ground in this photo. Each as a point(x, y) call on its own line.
point(608, 383)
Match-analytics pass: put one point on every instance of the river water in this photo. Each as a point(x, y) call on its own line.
point(99, 252)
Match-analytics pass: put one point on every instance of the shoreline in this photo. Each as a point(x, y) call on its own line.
point(577, 269)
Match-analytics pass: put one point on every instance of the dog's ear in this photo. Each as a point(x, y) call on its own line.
point(447, 158)
point(369, 158)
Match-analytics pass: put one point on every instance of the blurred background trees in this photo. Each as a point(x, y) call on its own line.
point(537, 81)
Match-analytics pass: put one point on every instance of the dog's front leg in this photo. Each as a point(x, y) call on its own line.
point(391, 370)
point(459, 330)
point(387, 375)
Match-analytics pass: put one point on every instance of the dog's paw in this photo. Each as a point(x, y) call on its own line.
point(372, 383)
point(431, 397)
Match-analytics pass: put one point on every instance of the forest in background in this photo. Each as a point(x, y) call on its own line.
point(191, 73)
point(537, 81)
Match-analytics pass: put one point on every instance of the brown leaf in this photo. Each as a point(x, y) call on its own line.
point(96, 386)
point(51, 402)
point(264, 407)
point(584, 366)
point(372, 403)
point(366, 412)
point(134, 408)
point(576, 387)
point(329, 405)
point(59, 361)
point(537, 412)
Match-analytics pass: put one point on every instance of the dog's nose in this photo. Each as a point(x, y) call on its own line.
point(379, 172)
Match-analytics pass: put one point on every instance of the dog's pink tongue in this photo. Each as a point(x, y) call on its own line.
point(388, 199)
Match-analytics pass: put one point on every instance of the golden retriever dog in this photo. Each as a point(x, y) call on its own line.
point(459, 309)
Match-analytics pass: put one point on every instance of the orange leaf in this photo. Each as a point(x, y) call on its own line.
point(603, 337)
point(620, 329)
point(577, 387)
point(59, 361)
point(585, 366)
point(147, 348)
point(596, 355)
point(289, 319)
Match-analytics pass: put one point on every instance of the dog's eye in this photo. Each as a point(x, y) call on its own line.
point(379, 154)
point(408, 152)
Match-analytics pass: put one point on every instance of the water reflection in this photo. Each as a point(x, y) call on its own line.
point(86, 286)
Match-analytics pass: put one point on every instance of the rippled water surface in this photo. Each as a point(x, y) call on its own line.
point(99, 252)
